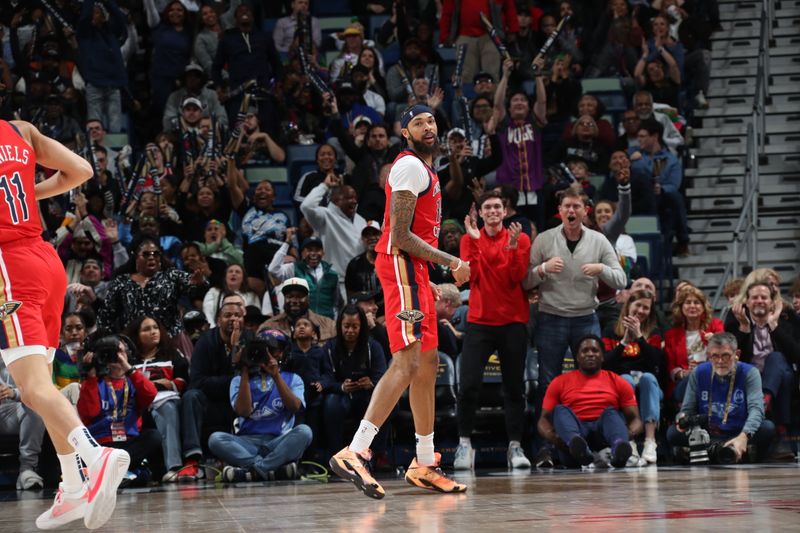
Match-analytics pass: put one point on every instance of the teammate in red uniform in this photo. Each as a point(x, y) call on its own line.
point(32, 288)
point(409, 241)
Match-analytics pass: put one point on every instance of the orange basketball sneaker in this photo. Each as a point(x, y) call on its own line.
point(352, 467)
point(432, 477)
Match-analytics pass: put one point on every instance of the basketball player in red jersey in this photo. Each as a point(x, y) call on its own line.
point(32, 288)
point(410, 240)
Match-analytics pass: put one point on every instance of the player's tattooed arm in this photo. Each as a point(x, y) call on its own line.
point(401, 214)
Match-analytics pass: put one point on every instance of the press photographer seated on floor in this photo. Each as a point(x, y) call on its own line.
point(723, 409)
point(267, 444)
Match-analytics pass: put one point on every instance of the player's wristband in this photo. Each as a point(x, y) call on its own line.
point(544, 268)
point(460, 263)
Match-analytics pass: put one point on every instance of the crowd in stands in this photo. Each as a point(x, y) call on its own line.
point(225, 246)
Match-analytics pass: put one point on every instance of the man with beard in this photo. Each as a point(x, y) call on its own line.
point(322, 279)
point(567, 263)
point(644, 108)
point(295, 305)
point(408, 244)
point(726, 385)
point(589, 409)
point(449, 242)
point(768, 342)
point(215, 356)
point(360, 275)
point(337, 224)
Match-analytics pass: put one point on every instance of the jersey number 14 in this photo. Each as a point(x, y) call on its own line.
point(14, 196)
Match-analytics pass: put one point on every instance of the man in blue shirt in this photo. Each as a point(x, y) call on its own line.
point(267, 443)
point(653, 160)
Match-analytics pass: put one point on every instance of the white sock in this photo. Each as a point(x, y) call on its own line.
point(71, 472)
point(465, 441)
point(363, 438)
point(514, 444)
point(84, 444)
point(425, 455)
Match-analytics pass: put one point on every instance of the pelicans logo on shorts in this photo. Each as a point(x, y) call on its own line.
point(9, 308)
point(411, 315)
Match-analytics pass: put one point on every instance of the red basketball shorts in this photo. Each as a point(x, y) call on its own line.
point(32, 288)
point(408, 301)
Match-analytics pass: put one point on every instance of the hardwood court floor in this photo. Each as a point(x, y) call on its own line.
point(749, 499)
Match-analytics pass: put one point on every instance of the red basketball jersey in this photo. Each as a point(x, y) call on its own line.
point(427, 217)
point(19, 213)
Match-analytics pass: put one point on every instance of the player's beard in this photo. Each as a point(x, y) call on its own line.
point(423, 149)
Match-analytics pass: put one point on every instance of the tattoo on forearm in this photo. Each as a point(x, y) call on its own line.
point(402, 208)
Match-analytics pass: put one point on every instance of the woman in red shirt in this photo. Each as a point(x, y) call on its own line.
point(685, 344)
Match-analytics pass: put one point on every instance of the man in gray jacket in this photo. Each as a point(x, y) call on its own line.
point(566, 264)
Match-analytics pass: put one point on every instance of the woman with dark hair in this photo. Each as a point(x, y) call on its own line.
point(326, 164)
point(352, 364)
point(585, 144)
point(633, 350)
point(172, 48)
point(235, 281)
point(685, 343)
point(588, 104)
point(148, 285)
point(368, 58)
point(66, 371)
point(167, 368)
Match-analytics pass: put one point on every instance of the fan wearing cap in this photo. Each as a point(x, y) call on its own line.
point(295, 305)
point(100, 30)
point(351, 41)
point(265, 398)
point(459, 170)
point(56, 124)
point(360, 275)
point(409, 242)
point(322, 279)
point(193, 85)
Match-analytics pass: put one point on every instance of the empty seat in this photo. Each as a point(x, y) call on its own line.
point(259, 174)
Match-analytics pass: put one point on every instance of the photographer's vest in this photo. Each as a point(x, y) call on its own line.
point(321, 294)
point(117, 406)
point(724, 397)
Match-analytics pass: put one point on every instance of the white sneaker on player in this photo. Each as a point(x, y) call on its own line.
point(67, 507)
point(105, 475)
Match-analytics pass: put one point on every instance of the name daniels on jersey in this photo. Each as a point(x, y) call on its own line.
point(9, 152)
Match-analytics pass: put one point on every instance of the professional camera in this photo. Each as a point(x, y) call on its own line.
point(105, 347)
point(257, 351)
point(699, 438)
point(722, 455)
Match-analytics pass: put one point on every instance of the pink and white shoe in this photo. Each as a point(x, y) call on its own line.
point(67, 507)
point(105, 475)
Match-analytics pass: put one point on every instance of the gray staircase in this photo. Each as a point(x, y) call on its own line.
point(715, 192)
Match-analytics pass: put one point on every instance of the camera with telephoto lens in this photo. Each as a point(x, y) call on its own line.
point(105, 349)
point(701, 449)
point(699, 438)
point(257, 351)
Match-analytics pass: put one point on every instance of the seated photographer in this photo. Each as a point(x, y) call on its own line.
point(114, 395)
point(734, 417)
point(211, 370)
point(267, 444)
point(18, 419)
point(352, 364)
point(589, 409)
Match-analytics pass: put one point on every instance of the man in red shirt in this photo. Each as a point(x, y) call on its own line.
point(590, 409)
point(461, 24)
point(496, 321)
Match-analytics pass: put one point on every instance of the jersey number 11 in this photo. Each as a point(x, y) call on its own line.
point(12, 197)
